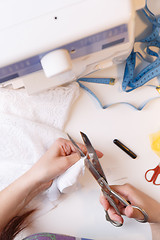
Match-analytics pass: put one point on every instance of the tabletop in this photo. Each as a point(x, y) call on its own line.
point(80, 213)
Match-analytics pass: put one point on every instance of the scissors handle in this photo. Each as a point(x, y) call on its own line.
point(108, 193)
point(145, 215)
point(126, 203)
point(114, 223)
point(113, 204)
point(154, 176)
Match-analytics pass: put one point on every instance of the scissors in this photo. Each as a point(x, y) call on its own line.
point(93, 164)
point(154, 175)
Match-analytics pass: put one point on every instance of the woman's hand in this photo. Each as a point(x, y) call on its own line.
point(59, 157)
point(137, 198)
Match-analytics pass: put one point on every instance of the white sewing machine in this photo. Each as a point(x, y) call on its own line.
point(44, 44)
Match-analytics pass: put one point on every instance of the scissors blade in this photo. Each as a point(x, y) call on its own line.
point(93, 156)
point(77, 147)
point(100, 180)
point(92, 169)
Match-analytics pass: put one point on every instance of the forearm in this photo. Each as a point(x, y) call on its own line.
point(14, 198)
point(58, 158)
point(155, 227)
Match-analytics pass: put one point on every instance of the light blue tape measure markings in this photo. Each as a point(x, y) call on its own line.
point(117, 103)
point(109, 81)
point(148, 73)
point(152, 36)
point(150, 16)
point(151, 52)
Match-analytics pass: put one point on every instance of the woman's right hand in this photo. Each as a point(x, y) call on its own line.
point(137, 198)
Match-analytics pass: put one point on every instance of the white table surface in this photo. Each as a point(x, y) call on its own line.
point(80, 213)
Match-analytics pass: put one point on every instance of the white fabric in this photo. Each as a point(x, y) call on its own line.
point(66, 182)
point(50, 107)
point(28, 127)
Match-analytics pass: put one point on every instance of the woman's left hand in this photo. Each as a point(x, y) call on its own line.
point(59, 157)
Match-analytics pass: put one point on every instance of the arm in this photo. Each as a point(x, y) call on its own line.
point(136, 197)
point(59, 157)
point(14, 198)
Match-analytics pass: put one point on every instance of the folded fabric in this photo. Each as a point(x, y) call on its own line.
point(28, 127)
point(67, 182)
point(50, 107)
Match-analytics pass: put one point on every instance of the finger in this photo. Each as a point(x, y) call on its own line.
point(126, 190)
point(130, 194)
point(65, 147)
point(64, 162)
point(72, 158)
point(131, 212)
point(99, 154)
point(111, 211)
point(104, 202)
point(62, 147)
point(114, 216)
point(121, 189)
point(84, 150)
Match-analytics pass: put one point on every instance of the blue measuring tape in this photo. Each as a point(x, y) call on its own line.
point(130, 82)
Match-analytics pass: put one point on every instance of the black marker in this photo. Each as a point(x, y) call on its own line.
point(124, 148)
